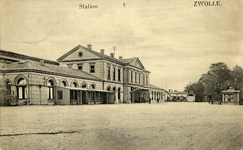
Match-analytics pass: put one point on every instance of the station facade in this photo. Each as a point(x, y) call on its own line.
point(81, 76)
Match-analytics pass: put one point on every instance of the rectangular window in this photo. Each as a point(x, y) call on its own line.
point(119, 74)
point(139, 78)
point(131, 76)
point(119, 95)
point(108, 72)
point(50, 92)
point(135, 77)
point(21, 92)
point(92, 68)
point(59, 93)
point(114, 74)
point(146, 80)
point(143, 80)
point(80, 67)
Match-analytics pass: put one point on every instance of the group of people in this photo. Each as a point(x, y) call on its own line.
point(216, 102)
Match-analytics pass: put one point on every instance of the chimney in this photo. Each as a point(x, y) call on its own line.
point(112, 55)
point(102, 51)
point(42, 62)
point(120, 57)
point(89, 46)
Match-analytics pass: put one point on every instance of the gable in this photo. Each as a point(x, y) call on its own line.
point(137, 63)
point(78, 53)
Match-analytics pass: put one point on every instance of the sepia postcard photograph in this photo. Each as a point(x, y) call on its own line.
point(121, 75)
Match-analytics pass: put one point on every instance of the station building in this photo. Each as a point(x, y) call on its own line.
point(80, 76)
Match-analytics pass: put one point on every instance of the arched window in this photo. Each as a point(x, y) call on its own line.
point(84, 85)
point(92, 86)
point(21, 88)
point(63, 84)
point(74, 84)
point(114, 90)
point(119, 93)
point(50, 86)
point(108, 88)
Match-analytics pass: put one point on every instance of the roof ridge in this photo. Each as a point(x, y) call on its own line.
point(77, 70)
point(63, 71)
point(102, 55)
point(69, 52)
point(23, 56)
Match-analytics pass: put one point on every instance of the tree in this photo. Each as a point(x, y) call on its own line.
point(216, 80)
point(197, 89)
point(236, 77)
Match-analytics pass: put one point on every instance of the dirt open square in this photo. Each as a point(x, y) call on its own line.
point(198, 126)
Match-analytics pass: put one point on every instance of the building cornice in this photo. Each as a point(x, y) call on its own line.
point(49, 73)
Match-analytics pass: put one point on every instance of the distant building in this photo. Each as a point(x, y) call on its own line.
point(181, 96)
point(81, 76)
point(231, 96)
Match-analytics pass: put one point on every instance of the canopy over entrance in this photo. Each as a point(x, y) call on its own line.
point(139, 95)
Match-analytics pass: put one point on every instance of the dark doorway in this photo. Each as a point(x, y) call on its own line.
point(84, 97)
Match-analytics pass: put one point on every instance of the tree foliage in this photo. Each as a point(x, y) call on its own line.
point(218, 78)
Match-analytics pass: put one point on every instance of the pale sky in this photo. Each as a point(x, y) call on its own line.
point(174, 40)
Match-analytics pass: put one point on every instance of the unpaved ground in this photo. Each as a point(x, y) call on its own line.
point(198, 126)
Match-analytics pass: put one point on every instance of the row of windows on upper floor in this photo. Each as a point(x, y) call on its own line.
point(112, 75)
point(92, 70)
point(80, 67)
point(137, 78)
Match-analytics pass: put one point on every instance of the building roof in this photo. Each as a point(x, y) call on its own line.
point(11, 56)
point(91, 51)
point(127, 61)
point(155, 87)
point(178, 92)
point(33, 66)
point(231, 90)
